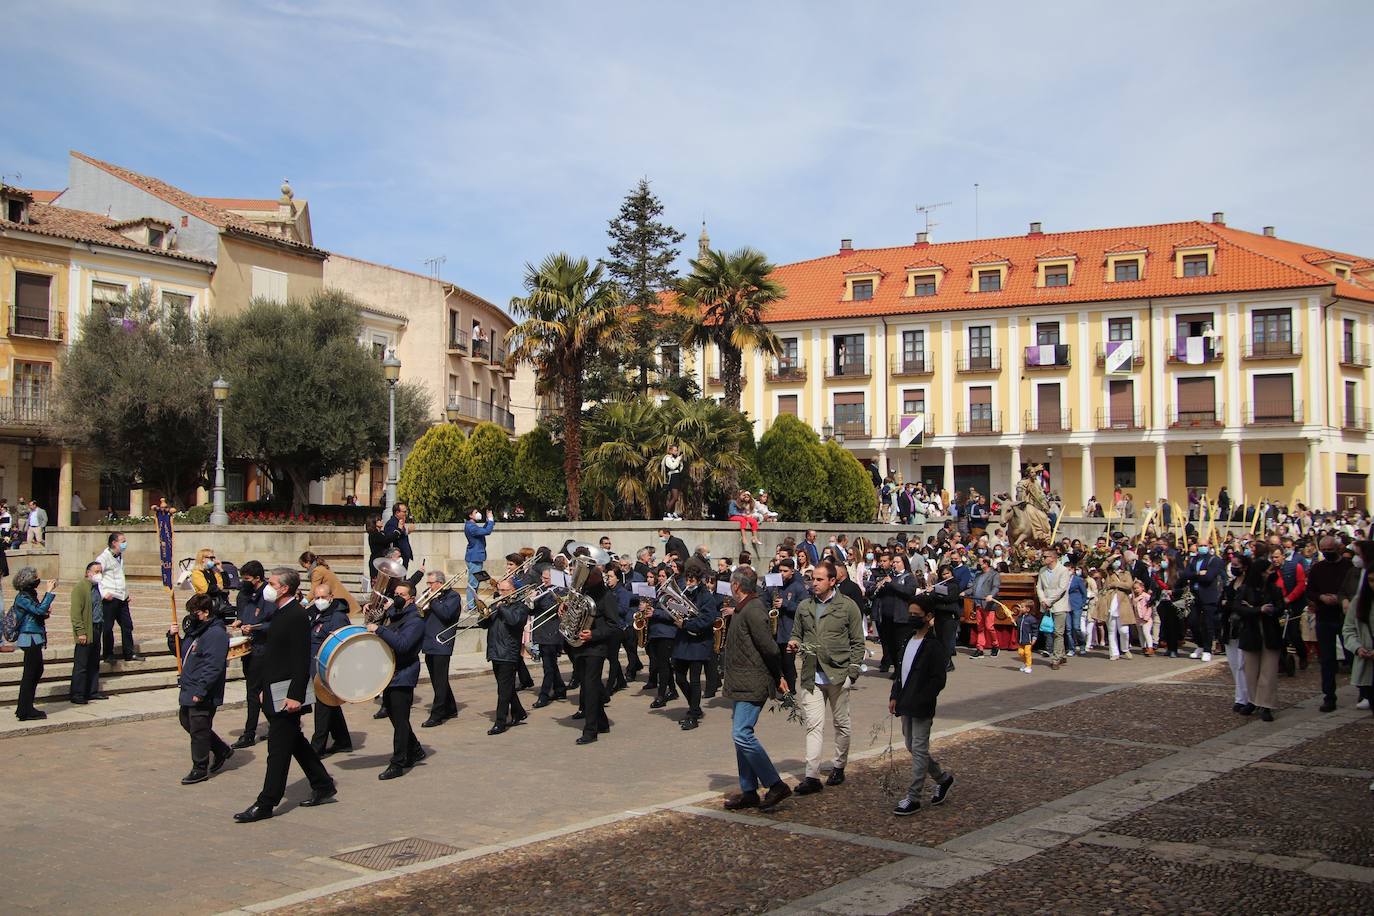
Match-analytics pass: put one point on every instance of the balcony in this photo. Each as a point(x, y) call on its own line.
point(911, 365)
point(1355, 420)
point(1195, 351)
point(1194, 418)
point(1102, 351)
point(24, 410)
point(1058, 421)
point(847, 430)
point(481, 349)
point(713, 378)
point(894, 424)
point(848, 368)
point(1108, 419)
point(1354, 356)
point(787, 370)
point(457, 340)
point(1271, 413)
point(1266, 347)
point(982, 424)
point(475, 411)
point(978, 361)
point(43, 325)
point(1047, 357)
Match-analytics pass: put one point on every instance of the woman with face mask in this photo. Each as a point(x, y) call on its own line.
point(1259, 604)
point(1357, 633)
point(208, 578)
point(1115, 607)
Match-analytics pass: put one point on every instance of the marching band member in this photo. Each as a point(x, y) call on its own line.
point(602, 633)
point(286, 662)
point(505, 626)
point(550, 643)
point(692, 645)
point(204, 646)
point(785, 601)
point(413, 580)
point(615, 677)
point(254, 617)
point(403, 631)
point(327, 614)
point(442, 613)
point(629, 639)
point(662, 635)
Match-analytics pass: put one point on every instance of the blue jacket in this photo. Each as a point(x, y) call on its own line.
point(33, 618)
point(962, 575)
point(793, 593)
point(404, 632)
point(477, 540)
point(322, 623)
point(1078, 594)
point(203, 665)
point(661, 625)
point(627, 614)
point(257, 612)
point(693, 642)
point(443, 613)
point(393, 530)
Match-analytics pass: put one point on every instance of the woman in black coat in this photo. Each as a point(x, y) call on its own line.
point(1259, 604)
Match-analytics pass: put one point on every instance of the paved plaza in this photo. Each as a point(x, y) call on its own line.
point(1123, 787)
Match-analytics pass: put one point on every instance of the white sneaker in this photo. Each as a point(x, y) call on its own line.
point(1025, 670)
point(1197, 653)
point(1113, 658)
point(1363, 704)
point(1207, 656)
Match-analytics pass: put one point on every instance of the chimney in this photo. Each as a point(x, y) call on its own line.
point(1269, 231)
point(1035, 229)
point(846, 246)
point(923, 238)
point(1219, 218)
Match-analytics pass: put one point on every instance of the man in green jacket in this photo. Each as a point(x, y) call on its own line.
point(86, 622)
point(829, 634)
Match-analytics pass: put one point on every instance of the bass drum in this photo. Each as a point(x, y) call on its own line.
point(353, 666)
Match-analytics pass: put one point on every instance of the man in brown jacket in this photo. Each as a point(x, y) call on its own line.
point(753, 674)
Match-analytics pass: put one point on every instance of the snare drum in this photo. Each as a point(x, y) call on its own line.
point(239, 646)
point(353, 666)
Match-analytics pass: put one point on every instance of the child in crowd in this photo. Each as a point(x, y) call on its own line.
point(1144, 612)
point(1027, 628)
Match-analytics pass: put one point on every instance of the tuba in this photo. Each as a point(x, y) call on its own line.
point(575, 614)
point(677, 604)
point(389, 572)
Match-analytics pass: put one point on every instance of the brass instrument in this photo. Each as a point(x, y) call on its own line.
point(718, 634)
point(583, 559)
point(428, 595)
point(641, 625)
point(389, 572)
point(677, 604)
point(575, 614)
point(525, 595)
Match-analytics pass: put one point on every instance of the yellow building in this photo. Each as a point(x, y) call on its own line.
point(1169, 359)
point(54, 262)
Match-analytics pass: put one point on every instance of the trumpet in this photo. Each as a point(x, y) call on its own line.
point(428, 595)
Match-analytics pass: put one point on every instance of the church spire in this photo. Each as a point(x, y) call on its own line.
point(703, 243)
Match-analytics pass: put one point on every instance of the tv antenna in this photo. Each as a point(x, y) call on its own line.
point(924, 210)
point(12, 179)
point(435, 264)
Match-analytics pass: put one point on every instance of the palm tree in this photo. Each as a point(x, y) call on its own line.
point(709, 436)
point(623, 457)
point(570, 312)
point(726, 298)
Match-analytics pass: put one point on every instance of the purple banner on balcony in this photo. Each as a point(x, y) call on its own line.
point(1047, 355)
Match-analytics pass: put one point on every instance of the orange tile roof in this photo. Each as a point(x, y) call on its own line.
point(863, 268)
point(198, 207)
point(241, 203)
point(1245, 261)
point(1056, 252)
point(80, 226)
point(45, 197)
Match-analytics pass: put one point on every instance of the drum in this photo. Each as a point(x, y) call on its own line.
point(239, 646)
point(353, 666)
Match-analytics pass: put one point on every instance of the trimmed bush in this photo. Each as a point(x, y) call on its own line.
point(792, 466)
point(435, 481)
point(490, 468)
point(850, 489)
point(539, 483)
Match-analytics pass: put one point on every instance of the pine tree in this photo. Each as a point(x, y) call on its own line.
point(640, 262)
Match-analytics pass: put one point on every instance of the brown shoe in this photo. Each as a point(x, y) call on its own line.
point(741, 800)
point(1054, 666)
point(776, 793)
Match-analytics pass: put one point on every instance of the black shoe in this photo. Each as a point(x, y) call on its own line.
point(416, 756)
point(1237, 707)
point(196, 775)
point(391, 772)
point(516, 720)
point(942, 789)
point(542, 702)
point(320, 796)
point(976, 653)
point(100, 696)
point(579, 715)
point(217, 763)
point(586, 739)
point(808, 786)
point(776, 793)
point(35, 714)
point(658, 704)
point(993, 653)
point(1328, 705)
point(79, 701)
point(247, 739)
point(381, 714)
point(431, 722)
point(1266, 715)
point(253, 812)
point(949, 667)
point(135, 658)
point(687, 724)
point(561, 695)
point(709, 695)
point(336, 749)
point(742, 800)
point(496, 729)
point(1246, 709)
point(672, 696)
point(836, 777)
point(906, 807)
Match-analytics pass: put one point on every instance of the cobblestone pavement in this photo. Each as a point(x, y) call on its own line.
point(526, 822)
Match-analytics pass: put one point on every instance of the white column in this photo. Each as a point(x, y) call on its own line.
point(949, 470)
point(815, 377)
point(1161, 473)
point(1314, 470)
point(64, 491)
point(1233, 475)
point(882, 462)
point(1015, 476)
point(1085, 480)
point(880, 423)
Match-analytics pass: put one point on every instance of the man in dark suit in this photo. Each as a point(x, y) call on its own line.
point(597, 638)
point(808, 544)
point(442, 613)
point(398, 527)
point(254, 620)
point(403, 631)
point(920, 678)
point(1205, 574)
point(286, 663)
point(673, 545)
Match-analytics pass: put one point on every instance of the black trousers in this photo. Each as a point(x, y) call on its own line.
point(615, 675)
point(1328, 634)
point(1292, 636)
point(1170, 628)
point(285, 740)
point(593, 695)
point(629, 640)
point(404, 744)
point(250, 679)
point(445, 706)
point(713, 676)
point(789, 668)
point(553, 686)
point(661, 659)
point(199, 722)
point(28, 683)
point(1206, 620)
point(329, 723)
point(508, 705)
point(688, 676)
point(116, 611)
point(947, 628)
point(85, 671)
point(523, 672)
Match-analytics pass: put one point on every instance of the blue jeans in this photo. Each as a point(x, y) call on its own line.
point(473, 569)
point(755, 769)
point(1074, 636)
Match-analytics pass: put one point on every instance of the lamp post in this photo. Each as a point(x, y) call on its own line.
point(453, 410)
point(827, 432)
point(391, 366)
point(218, 516)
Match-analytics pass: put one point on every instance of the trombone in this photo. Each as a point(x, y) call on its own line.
point(428, 595)
point(525, 594)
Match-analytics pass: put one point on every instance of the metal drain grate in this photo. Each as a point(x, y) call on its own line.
point(401, 852)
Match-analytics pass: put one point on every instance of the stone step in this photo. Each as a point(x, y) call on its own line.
point(56, 681)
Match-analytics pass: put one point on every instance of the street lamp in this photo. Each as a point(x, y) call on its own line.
point(391, 366)
point(839, 437)
point(1197, 448)
point(827, 432)
point(218, 516)
point(1049, 454)
point(453, 410)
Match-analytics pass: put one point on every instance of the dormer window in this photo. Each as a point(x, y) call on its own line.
point(923, 285)
point(147, 231)
point(1342, 272)
point(1057, 275)
point(1195, 265)
point(989, 281)
point(14, 210)
point(14, 204)
point(861, 290)
point(923, 278)
point(156, 237)
point(988, 274)
point(861, 282)
point(1125, 270)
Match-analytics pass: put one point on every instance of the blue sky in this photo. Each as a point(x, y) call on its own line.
point(494, 133)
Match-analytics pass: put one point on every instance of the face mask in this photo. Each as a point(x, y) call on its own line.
point(121, 545)
point(270, 594)
point(1116, 564)
point(1358, 561)
point(918, 621)
point(868, 557)
point(209, 564)
point(1163, 564)
point(93, 579)
point(997, 553)
point(1204, 550)
point(663, 540)
point(323, 603)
